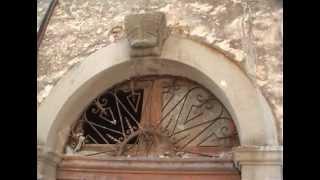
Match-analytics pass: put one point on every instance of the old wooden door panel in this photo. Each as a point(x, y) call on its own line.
point(86, 168)
point(145, 176)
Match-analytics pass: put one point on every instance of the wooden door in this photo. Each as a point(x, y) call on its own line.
point(84, 168)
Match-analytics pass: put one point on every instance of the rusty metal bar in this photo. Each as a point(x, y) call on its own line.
point(43, 21)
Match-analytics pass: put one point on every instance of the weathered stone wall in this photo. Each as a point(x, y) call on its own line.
point(248, 31)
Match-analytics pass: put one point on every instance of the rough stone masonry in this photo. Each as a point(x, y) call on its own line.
point(248, 31)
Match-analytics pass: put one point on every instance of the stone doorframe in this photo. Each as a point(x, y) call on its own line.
point(259, 157)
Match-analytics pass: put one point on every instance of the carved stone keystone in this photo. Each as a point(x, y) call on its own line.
point(146, 33)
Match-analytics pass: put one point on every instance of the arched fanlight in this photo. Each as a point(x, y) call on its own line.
point(154, 115)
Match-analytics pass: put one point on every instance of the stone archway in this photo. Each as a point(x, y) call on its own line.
point(179, 57)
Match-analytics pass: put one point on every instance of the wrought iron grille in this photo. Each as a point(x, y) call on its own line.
point(154, 115)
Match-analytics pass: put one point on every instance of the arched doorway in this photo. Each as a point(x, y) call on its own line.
point(180, 57)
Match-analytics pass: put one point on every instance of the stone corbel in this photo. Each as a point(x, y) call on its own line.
point(146, 33)
point(259, 162)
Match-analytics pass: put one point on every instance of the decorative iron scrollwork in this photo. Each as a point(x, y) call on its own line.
point(191, 119)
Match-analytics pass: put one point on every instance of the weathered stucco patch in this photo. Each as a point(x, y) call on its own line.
point(250, 31)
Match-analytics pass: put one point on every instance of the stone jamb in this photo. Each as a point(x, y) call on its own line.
point(259, 162)
point(47, 162)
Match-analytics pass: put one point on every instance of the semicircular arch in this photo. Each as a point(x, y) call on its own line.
point(180, 57)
